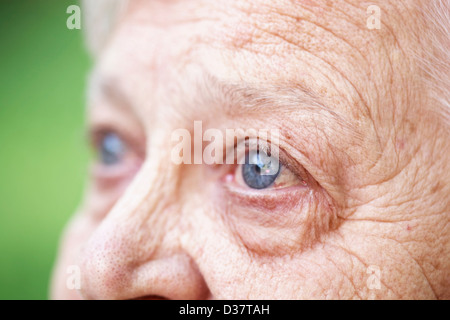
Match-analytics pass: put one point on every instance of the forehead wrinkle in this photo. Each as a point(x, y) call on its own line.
point(299, 30)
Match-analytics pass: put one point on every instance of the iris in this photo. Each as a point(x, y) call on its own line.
point(112, 149)
point(260, 170)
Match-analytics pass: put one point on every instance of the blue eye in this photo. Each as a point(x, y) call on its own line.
point(111, 149)
point(260, 170)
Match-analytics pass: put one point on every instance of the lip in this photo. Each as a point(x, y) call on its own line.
point(150, 297)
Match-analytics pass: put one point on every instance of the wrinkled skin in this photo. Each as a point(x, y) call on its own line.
point(354, 117)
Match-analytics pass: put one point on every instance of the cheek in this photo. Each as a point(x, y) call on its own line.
point(238, 258)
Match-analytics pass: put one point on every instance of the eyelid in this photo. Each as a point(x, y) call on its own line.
point(241, 146)
point(250, 144)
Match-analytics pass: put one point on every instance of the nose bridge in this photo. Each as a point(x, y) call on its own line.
point(132, 233)
point(148, 194)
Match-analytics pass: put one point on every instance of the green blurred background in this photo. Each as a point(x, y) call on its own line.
point(43, 68)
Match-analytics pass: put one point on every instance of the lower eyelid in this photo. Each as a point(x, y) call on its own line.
point(285, 198)
point(110, 176)
point(281, 208)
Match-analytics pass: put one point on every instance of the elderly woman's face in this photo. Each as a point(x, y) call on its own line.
point(358, 207)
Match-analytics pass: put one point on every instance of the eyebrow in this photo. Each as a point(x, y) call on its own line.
point(111, 89)
point(239, 98)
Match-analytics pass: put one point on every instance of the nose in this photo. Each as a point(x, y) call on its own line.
point(135, 253)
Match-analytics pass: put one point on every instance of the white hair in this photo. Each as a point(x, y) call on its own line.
point(434, 58)
point(99, 19)
point(101, 16)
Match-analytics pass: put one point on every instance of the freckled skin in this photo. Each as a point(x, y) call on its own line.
point(377, 161)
